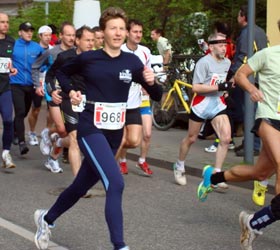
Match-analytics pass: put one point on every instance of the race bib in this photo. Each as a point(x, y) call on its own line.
point(5, 64)
point(81, 106)
point(109, 116)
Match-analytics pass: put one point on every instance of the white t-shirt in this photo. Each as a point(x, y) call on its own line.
point(134, 96)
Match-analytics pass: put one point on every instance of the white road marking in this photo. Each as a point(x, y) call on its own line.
point(26, 234)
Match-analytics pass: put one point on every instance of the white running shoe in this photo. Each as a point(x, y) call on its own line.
point(231, 146)
point(248, 235)
point(222, 185)
point(180, 176)
point(43, 233)
point(45, 143)
point(211, 149)
point(7, 161)
point(32, 139)
point(53, 165)
point(125, 248)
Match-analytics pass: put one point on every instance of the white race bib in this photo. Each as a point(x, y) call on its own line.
point(81, 106)
point(109, 116)
point(5, 64)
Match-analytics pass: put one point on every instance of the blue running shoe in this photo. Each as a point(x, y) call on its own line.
point(205, 186)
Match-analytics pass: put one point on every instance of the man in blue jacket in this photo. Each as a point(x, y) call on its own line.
point(25, 53)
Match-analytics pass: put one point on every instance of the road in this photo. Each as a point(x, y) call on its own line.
point(158, 214)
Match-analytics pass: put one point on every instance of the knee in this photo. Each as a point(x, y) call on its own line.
point(189, 140)
point(61, 131)
point(275, 207)
point(133, 142)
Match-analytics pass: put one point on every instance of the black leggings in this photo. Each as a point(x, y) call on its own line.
point(22, 99)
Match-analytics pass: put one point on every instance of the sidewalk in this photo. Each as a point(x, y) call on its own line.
point(165, 148)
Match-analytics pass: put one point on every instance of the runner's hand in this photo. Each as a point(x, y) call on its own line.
point(225, 86)
point(149, 76)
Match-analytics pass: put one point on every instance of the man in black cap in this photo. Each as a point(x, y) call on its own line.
point(25, 53)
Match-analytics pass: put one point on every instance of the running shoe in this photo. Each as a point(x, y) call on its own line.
point(43, 233)
point(231, 145)
point(179, 175)
point(45, 143)
point(8, 161)
point(125, 248)
point(123, 167)
point(53, 165)
point(222, 185)
point(23, 149)
point(248, 235)
point(145, 168)
point(211, 149)
point(32, 139)
point(205, 186)
point(258, 195)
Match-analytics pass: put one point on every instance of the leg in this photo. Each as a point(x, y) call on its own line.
point(222, 128)
point(74, 153)
point(179, 166)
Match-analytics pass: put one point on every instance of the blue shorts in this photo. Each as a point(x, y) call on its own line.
point(145, 111)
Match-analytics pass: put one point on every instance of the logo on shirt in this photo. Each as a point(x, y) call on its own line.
point(126, 76)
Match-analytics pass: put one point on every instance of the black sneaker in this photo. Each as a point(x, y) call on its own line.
point(241, 153)
point(23, 149)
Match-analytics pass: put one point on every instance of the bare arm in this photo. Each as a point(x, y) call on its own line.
point(204, 88)
point(241, 78)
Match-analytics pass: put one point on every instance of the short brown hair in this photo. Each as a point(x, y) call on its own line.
point(111, 13)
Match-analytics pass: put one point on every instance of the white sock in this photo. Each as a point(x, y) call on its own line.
point(180, 165)
point(217, 170)
point(141, 160)
point(5, 151)
point(122, 160)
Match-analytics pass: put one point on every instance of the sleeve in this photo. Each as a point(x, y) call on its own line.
point(200, 71)
point(257, 61)
point(50, 76)
point(64, 73)
point(36, 67)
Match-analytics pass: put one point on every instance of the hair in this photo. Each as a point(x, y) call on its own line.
point(111, 13)
point(214, 36)
point(132, 22)
point(244, 11)
point(222, 27)
point(158, 31)
point(54, 28)
point(81, 30)
point(62, 26)
point(96, 29)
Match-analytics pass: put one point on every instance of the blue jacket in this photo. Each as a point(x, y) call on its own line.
point(24, 54)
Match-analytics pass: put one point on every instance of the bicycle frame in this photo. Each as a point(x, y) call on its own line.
point(177, 89)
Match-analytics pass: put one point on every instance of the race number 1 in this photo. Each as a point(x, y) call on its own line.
point(109, 116)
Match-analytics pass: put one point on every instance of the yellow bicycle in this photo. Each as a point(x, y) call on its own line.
point(176, 101)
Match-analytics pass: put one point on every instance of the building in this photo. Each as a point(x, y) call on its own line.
point(11, 6)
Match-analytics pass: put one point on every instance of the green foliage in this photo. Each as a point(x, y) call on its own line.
point(177, 18)
point(58, 12)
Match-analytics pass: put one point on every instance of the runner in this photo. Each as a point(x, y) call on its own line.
point(108, 74)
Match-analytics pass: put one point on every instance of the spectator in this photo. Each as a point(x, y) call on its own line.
point(98, 38)
point(163, 46)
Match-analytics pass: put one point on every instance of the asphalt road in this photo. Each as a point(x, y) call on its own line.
point(158, 214)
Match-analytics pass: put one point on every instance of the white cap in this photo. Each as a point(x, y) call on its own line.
point(44, 29)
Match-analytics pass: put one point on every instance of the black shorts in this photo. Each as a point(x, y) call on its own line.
point(133, 116)
point(36, 100)
point(196, 118)
point(274, 123)
point(70, 117)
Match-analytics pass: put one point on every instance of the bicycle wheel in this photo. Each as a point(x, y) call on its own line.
point(163, 119)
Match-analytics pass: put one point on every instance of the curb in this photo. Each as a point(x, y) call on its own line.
point(194, 172)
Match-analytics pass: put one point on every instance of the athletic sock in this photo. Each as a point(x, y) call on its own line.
point(262, 218)
point(218, 178)
point(180, 165)
point(141, 160)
